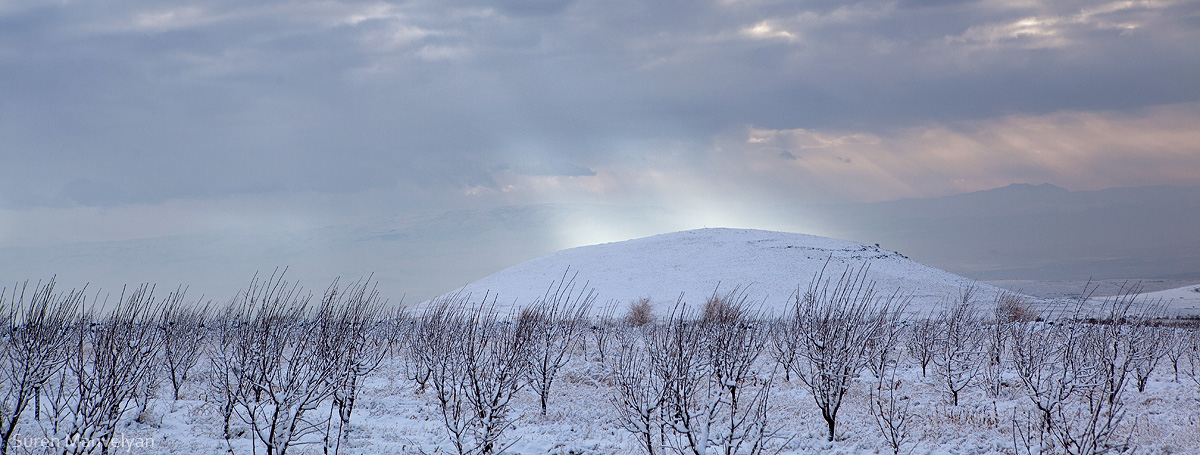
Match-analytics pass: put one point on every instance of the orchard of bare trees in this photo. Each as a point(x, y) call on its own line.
point(282, 362)
point(280, 369)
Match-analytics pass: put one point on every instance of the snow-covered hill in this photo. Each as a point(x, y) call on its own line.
point(1183, 301)
point(768, 266)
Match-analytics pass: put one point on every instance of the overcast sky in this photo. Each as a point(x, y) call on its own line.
point(127, 119)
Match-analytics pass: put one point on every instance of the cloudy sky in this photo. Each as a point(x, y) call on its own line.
point(128, 119)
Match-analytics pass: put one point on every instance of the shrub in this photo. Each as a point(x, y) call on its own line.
point(1013, 308)
point(640, 313)
point(726, 308)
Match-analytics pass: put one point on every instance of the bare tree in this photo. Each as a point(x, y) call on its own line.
point(282, 365)
point(735, 340)
point(782, 345)
point(1173, 348)
point(1043, 356)
point(480, 365)
point(435, 347)
point(115, 357)
point(921, 341)
point(348, 318)
point(229, 358)
point(602, 330)
point(638, 391)
point(1075, 374)
point(713, 396)
point(496, 356)
point(184, 333)
point(890, 409)
point(1008, 309)
point(882, 353)
point(677, 351)
point(1190, 346)
point(1030, 437)
point(1111, 349)
point(958, 350)
point(555, 322)
point(1152, 344)
point(34, 347)
point(835, 324)
point(424, 347)
point(394, 328)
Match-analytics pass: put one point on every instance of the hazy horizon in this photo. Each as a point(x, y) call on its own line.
point(418, 256)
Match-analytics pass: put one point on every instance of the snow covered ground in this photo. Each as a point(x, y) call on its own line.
point(1071, 289)
point(1177, 298)
point(393, 418)
point(1179, 301)
point(768, 266)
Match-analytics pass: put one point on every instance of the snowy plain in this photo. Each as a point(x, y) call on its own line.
point(394, 416)
point(394, 419)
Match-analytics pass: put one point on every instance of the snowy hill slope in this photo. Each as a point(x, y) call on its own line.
point(1183, 301)
point(768, 266)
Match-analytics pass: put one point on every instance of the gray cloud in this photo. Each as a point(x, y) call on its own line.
point(145, 102)
point(177, 140)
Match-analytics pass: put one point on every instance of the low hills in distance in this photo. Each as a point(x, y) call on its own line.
point(1037, 232)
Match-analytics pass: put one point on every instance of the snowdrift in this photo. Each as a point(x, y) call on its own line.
point(769, 267)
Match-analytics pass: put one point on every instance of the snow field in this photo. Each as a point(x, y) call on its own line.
point(393, 418)
point(393, 414)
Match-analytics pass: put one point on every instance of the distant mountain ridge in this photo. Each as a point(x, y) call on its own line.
point(1037, 231)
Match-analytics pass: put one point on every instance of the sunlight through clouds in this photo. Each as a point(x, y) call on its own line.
point(1050, 30)
point(718, 112)
point(765, 30)
point(1078, 150)
point(1074, 149)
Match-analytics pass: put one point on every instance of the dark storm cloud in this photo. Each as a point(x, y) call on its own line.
point(141, 102)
